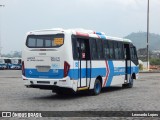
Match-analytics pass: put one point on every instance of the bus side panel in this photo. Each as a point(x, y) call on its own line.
point(112, 72)
point(134, 69)
point(118, 73)
point(98, 69)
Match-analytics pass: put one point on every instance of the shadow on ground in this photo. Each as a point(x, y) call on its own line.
point(77, 95)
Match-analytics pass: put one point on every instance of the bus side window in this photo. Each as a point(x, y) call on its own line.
point(93, 49)
point(106, 49)
point(99, 49)
point(125, 53)
point(111, 49)
point(120, 50)
point(133, 53)
point(75, 48)
point(83, 50)
point(116, 50)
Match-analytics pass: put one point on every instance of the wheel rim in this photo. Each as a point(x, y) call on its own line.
point(97, 87)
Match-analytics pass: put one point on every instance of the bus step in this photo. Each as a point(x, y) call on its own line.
point(83, 88)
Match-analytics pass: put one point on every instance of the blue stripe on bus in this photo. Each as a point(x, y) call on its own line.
point(51, 74)
point(75, 73)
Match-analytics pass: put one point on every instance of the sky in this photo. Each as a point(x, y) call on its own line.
point(116, 18)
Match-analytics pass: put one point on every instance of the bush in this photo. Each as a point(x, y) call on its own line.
point(140, 66)
point(154, 61)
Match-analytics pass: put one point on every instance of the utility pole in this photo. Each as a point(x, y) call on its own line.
point(148, 35)
point(0, 34)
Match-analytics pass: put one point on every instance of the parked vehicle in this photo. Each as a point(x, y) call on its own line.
point(59, 60)
point(15, 64)
point(3, 65)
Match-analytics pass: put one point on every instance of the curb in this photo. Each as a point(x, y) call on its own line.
point(10, 77)
point(149, 72)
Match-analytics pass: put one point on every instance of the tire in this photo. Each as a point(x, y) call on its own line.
point(97, 87)
point(129, 85)
point(60, 93)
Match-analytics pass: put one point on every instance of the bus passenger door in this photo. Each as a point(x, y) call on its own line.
point(84, 63)
point(127, 62)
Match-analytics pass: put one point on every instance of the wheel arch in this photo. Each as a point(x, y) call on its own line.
point(133, 76)
point(100, 79)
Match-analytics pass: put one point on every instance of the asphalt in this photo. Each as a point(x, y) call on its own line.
point(144, 96)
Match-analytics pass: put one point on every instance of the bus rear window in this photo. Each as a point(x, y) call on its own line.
point(45, 41)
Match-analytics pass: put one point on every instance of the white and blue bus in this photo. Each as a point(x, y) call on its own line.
point(77, 59)
point(3, 65)
point(15, 64)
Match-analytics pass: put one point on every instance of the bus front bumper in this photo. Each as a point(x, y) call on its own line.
point(50, 84)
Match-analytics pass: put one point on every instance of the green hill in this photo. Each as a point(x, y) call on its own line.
point(139, 40)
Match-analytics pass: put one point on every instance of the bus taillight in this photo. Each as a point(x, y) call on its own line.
point(23, 69)
point(66, 68)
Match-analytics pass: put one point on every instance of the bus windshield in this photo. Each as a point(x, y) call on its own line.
point(14, 61)
point(1, 61)
point(45, 41)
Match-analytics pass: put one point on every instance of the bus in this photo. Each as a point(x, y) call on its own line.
point(77, 59)
point(15, 64)
point(3, 65)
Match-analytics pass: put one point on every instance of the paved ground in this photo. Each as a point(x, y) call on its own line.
point(144, 96)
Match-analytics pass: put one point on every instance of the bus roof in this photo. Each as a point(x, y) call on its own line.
point(79, 32)
point(10, 58)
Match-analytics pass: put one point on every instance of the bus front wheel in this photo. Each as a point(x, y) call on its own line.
point(129, 85)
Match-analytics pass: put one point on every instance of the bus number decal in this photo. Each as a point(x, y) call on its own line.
point(55, 58)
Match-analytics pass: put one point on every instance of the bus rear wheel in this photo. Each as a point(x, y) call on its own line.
point(97, 87)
